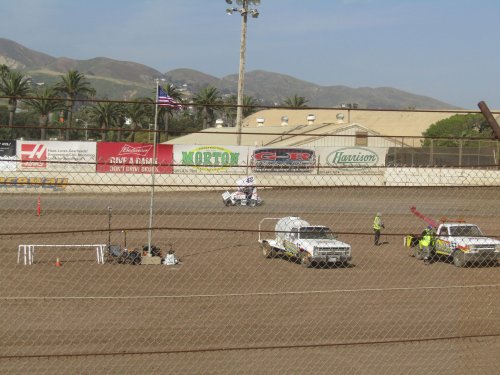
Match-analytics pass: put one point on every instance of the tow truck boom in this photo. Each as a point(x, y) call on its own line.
point(428, 220)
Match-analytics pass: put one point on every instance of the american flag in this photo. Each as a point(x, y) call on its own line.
point(164, 100)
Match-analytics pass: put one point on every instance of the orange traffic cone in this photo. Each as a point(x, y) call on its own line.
point(58, 263)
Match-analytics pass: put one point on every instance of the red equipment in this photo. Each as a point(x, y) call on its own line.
point(428, 220)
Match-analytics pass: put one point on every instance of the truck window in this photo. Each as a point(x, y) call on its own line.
point(465, 231)
point(443, 231)
point(316, 233)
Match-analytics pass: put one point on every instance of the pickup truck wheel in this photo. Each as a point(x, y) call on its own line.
point(458, 258)
point(305, 260)
point(267, 250)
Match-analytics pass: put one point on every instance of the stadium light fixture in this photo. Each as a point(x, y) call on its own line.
point(244, 11)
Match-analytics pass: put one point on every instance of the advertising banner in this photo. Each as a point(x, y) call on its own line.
point(36, 183)
point(126, 157)
point(210, 159)
point(283, 159)
point(8, 156)
point(56, 156)
point(350, 159)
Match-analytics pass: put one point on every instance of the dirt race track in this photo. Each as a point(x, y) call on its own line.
point(227, 310)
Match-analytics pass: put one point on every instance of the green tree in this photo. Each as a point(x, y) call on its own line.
point(457, 127)
point(73, 86)
point(295, 102)
point(184, 123)
point(138, 113)
point(208, 101)
point(107, 115)
point(14, 84)
point(4, 69)
point(45, 103)
point(121, 122)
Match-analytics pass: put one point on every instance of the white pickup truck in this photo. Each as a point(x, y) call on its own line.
point(465, 243)
point(296, 238)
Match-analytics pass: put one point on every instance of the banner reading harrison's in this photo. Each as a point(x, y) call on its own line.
point(124, 157)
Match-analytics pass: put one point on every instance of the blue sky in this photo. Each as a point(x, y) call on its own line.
point(445, 49)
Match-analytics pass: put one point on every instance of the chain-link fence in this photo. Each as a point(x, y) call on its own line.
point(482, 154)
point(110, 271)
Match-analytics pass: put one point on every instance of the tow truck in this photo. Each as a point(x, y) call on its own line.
point(463, 242)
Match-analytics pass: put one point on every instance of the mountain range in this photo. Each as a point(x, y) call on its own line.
point(124, 80)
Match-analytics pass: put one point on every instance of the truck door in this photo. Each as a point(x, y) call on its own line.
point(443, 244)
point(290, 242)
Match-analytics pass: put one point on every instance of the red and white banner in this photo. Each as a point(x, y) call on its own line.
point(34, 155)
point(124, 157)
point(56, 156)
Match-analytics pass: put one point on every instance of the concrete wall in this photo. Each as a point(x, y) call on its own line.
point(67, 182)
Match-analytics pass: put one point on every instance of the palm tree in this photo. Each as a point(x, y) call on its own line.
point(14, 84)
point(44, 104)
point(120, 121)
point(295, 102)
point(137, 113)
point(74, 86)
point(4, 69)
point(106, 115)
point(165, 112)
point(207, 100)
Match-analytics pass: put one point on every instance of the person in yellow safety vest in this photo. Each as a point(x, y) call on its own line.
point(425, 244)
point(378, 224)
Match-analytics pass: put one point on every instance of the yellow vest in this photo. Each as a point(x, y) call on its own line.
point(426, 240)
point(377, 223)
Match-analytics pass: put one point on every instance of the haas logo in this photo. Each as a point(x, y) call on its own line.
point(33, 155)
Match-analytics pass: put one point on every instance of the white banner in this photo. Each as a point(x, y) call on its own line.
point(350, 159)
point(56, 156)
point(210, 159)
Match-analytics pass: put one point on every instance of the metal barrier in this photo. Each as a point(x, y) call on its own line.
point(28, 251)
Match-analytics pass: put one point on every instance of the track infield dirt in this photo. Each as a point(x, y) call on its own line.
point(226, 309)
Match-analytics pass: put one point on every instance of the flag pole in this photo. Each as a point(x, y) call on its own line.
point(153, 166)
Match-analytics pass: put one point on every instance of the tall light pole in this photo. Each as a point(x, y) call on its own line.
point(244, 10)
